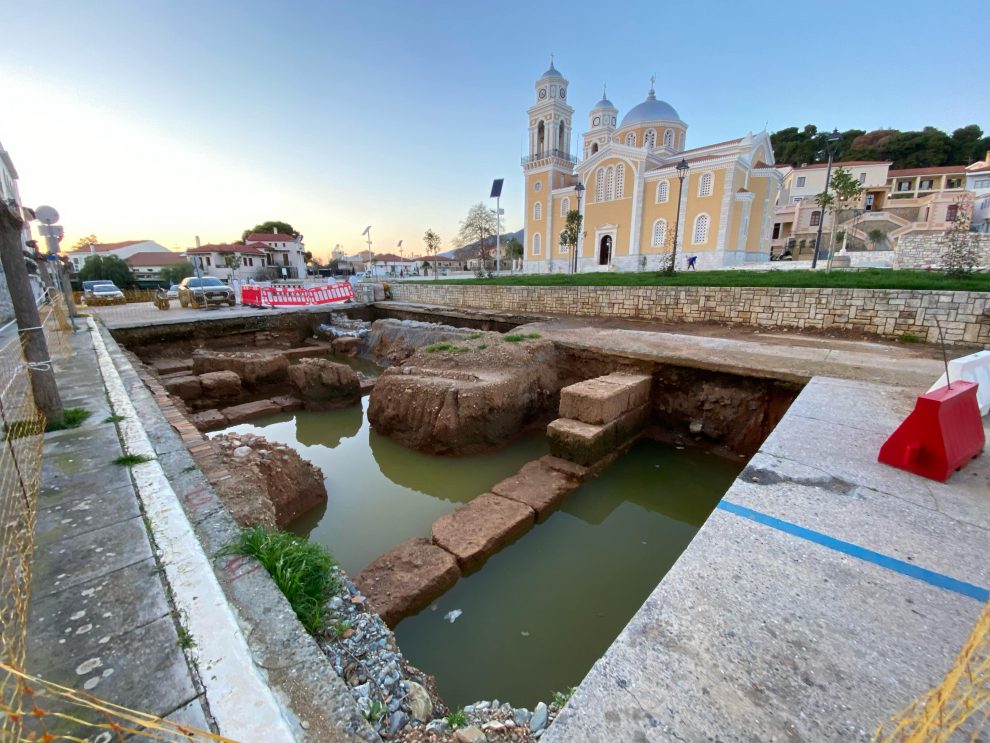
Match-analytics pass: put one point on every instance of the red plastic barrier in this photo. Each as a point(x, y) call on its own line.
point(295, 296)
point(942, 433)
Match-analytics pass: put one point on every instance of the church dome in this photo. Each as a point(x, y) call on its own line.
point(552, 72)
point(650, 110)
point(604, 103)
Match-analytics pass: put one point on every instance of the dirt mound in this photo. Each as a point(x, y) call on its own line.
point(466, 396)
point(272, 486)
point(391, 342)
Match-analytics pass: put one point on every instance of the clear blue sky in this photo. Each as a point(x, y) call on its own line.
point(175, 119)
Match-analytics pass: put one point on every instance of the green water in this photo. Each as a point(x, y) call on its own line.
point(539, 613)
point(379, 492)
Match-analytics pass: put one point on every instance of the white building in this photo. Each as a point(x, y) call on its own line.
point(11, 199)
point(232, 261)
point(978, 183)
point(286, 252)
point(122, 250)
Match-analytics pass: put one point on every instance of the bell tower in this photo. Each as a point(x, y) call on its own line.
point(549, 164)
point(601, 124)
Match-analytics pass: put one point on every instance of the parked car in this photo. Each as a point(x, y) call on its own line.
point(204, 292)
point(106, 293)
point(173, 292)
point(87, 286)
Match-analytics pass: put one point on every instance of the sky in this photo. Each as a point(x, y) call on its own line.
point(168, 119)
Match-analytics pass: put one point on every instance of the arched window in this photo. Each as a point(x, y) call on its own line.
point(541, 135)
point(816, 218)
point(600, 185)
point(663, 192)
point(537, 210)
point(659, 233)
point(565, 206)
point(620, 180)
point(701, 223)
point(536, 244)
point(609, 183)
point(705, 185)
point(594, 148)
point(561, 138)
point(650, 140)
point(631, 139)
point(668, 138)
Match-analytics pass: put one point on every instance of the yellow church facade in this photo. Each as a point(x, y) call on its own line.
point(628, 169)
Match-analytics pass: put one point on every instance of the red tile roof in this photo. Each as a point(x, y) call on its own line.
point(844, 164)
point(981, 169)
point(942, 170)
point(151, 259)
point(269, 237)
point(712, 146)
point(225, 248)
point(106, 247)
point(391, 258)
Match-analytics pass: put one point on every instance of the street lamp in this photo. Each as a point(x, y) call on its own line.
point(577, 241)
point(829, 141)
point(682, 169)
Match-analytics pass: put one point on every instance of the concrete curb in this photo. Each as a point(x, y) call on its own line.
point(240, 701)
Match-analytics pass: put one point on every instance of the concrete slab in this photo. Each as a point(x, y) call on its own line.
point(474, 532)
point(406, 579)
point(69, 513)
point(539, 486)
point(586, 443)
point(603, 399)
point(246, 411)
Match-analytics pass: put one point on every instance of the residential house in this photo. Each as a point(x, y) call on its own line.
point(978, 184)
point(10, 198)
point(122, 250)
point(233, 261)
point(147, 266)
point(892, 202)
point(391, 264)
point(285, 252)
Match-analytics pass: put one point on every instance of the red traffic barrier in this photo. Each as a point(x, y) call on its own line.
point(940, 436)
point(295, 296)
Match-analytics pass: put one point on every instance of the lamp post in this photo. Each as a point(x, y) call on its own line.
point(682, 169)
point(829, 141)
point(577, 242)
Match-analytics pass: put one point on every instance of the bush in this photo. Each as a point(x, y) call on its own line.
point(303, 570)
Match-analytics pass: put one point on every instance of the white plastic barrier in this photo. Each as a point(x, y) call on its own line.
point(972, 368)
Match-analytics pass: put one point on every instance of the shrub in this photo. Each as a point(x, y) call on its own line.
point(303, 570)
point(457, 719)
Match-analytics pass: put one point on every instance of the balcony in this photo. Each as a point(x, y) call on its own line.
point(547, 155)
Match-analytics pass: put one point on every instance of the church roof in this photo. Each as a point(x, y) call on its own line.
point(552, 72)
point(604, 103)
point(650, 110)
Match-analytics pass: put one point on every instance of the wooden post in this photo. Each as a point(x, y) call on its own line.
point(33, 342)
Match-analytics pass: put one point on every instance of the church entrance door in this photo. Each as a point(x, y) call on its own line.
point(605, 250)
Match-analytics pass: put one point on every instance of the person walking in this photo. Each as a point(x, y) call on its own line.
point(691, 261)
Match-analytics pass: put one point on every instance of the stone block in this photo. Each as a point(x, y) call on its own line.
point(287, 402)
point(187, 387)
point(604, 399)
point(209, 420)
point(220, 384)
point(255, 368)
point(324, 384)
point(481, 528)
point(537, 485)
point(307, 352)
point(248, 410)
point(406, 579)
point(587, 443)
point(172, 366)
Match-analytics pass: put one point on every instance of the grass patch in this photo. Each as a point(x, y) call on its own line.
point(376, 711)
point(560, 698)
point(520, 337)
point(341, 629)
point(457, 719)
point(113, 419)
point(302, 570)
point(71, 418)
point(446, 346)
point(483, 346)
point(186, 641)
point(867, 278)
point(910, 338)
point(129, 460)
point(473, 336)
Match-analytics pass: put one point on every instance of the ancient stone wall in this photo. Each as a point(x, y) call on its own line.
point(965, 316)
point(925, 250)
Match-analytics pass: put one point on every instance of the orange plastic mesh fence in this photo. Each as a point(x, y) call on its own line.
point(960, 704)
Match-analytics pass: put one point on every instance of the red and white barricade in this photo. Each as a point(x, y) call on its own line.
point(295, 296)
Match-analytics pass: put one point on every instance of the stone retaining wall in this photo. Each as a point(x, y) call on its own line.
point(925, 251)
point(965, 316)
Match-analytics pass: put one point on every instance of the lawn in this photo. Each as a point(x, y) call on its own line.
point(819, 279)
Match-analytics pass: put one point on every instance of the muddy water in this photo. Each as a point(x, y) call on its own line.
point(539, 613)
point(381, 493)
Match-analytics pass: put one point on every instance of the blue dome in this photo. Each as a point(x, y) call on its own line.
point(552, 72)
point(650, 110)
point(604, 103)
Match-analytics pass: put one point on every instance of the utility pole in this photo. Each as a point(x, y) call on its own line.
point(32, 336)
point(52, 233)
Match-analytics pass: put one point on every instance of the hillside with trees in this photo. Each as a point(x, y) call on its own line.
point(930, 147)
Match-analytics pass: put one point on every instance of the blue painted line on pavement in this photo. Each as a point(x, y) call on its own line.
point(885, 561)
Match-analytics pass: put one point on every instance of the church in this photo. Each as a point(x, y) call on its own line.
point(632, 187)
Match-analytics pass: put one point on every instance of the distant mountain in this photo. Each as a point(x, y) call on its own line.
point(471, 250)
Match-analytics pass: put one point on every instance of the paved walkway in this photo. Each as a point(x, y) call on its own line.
point(100, 619)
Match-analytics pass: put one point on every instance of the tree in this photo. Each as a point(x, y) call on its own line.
point(513, 248)
point(476, 226)
point(84, 242)
point(571, 233)
point(432, 242)
point(961, 255)
point(876, 237)
point(106, 268)
point(270, 227)
point(176, 272)
point(308, 257)
point(232, 261)
point(843, 191)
